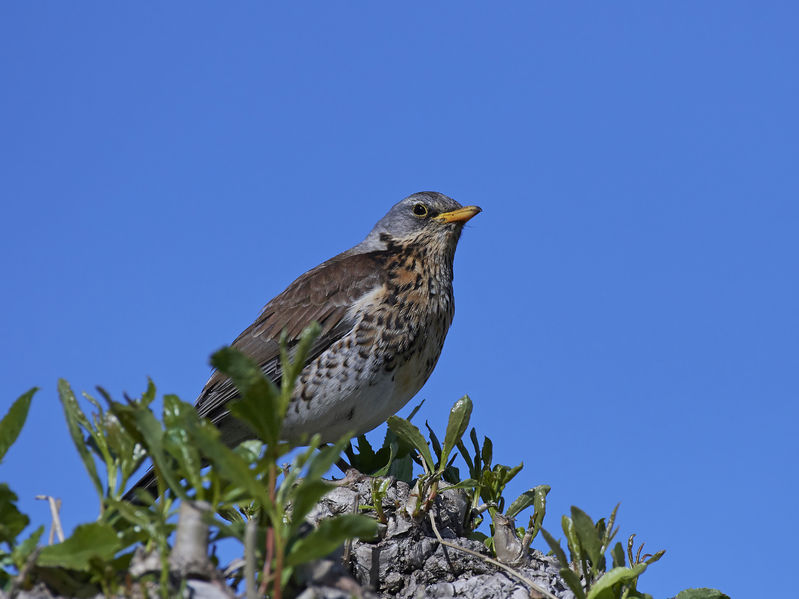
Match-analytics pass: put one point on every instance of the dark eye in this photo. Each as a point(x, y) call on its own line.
point(420, 210)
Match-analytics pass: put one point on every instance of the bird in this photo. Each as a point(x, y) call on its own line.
point(384, 307)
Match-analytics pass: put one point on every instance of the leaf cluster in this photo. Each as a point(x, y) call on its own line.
point(243, 484)
point(250, 498)
point(586, 571)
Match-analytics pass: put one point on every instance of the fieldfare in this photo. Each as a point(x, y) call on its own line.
point(384, 307)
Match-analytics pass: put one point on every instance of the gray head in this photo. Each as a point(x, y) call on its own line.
point(427, 216)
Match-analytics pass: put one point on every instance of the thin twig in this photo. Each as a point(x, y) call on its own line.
point(533, 586)
point(345, 559)
point(271, 545)
point(250, 532)
point(55, 528)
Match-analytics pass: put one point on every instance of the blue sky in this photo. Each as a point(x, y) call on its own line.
point(626, 319)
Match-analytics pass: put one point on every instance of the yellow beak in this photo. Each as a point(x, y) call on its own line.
point(461, 215)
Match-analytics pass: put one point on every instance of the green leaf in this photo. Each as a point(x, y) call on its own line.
point(323, 460)
point(24, 550)
point(391, 450)
point(305, 497)
point(411, 435)
point(466, 458)
point(571, 579)
point(435, 443)
point(590, 540)
point(75, 420)
point(400, 468)
point(572, 540)
point(536, 495)
point(469, 483)
point(487, 453)
point(330, 534)
point(653, 558)
point(259, 405)
point(457, 424)
point(228, 465)
point(12, 521)
point(618, 556)
point(554, 544)
point(603, 588)
point(95, 540)
point(703, 593)
point(415, 410)
point(12, 422)
point(177, 415)
point(140, 421)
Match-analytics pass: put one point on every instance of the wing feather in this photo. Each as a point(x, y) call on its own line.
point(323, 294)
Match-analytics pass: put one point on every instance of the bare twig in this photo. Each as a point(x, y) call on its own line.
point(55, 528)
point(534, 588)
point(345, 559)
point(190, 552)
point(250, 531)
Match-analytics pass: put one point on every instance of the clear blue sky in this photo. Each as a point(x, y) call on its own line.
point(626, 319)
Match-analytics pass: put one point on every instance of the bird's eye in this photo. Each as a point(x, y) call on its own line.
point(420, 210)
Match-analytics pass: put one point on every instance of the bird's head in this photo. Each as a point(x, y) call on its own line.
point(427, 217)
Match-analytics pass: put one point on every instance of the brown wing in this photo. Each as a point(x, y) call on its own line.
point(323, 294)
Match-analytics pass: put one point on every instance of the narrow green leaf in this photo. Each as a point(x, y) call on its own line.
point(572, 540)
point(603, 588)
point(487, 453)
point(401, 468)
point(469, 483)
point(293, 473)
point(466, 458)
point(22, 552)
point(75, 420)
point(12, 422)
point(392, 453)
point(411, 435)
point(95, 540)
point(536, 495)
point(457, 424)
point(148, 396)
point(590, 540)
point(554, 544)
point(227, 464)
point(571, 579)
point(434, 442)
point(330, 534)
point(176, 416)
point(259, 405)
point(323, 460)
point(138, 420)
point(415, 410)
point(618, 556)
point(609, 532)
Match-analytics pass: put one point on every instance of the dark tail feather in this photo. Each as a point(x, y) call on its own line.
point(146, 483)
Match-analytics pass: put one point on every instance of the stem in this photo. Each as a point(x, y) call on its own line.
point(274, 542)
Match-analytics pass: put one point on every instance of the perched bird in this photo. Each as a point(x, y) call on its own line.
point(384, 307)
